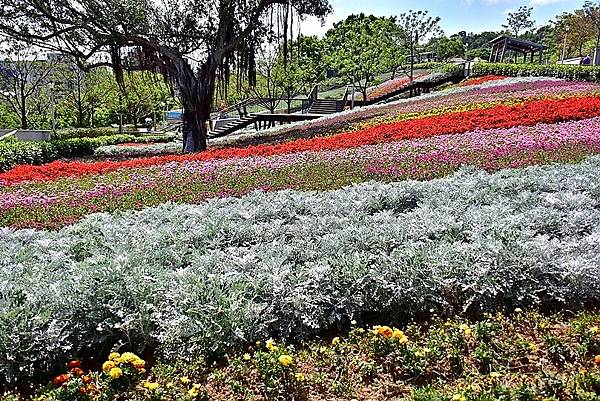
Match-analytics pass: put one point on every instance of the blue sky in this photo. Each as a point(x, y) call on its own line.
point(458, 15)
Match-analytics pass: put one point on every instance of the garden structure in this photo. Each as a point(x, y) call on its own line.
point(313, 107)
point(503, 43)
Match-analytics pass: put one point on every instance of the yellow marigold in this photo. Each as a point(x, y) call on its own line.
point(594, 329)
point(384, 331)
point(246, 357)
point(107, 366)
point(151, 385)
point(127, 357)
point(465, 329)
point(194, 391)
point(286, 360)
point(114, 356)
point(399, 336)
point(495, 375)
point(271, 345)
point(184, 380)
point(115, 373)
point(139, 364)
point(300, 377)
point(335, 341)
point(533, 347)
point(459, 397)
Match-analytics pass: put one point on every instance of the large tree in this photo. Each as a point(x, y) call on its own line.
point(362, 46)
point(189, 41)
point(519, 20)
point(592, 11)
point(24, 79)
point(573, 31)
point(416, 27)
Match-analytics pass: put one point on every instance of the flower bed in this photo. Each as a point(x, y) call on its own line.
point(54, 204)
point(521, 356)
point(390, 86)
point(130, 150)
point(528, 113)
point(508, 90)
point(203, 279)
point(481, 80)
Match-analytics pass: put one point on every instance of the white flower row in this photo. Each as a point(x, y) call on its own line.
point(152, 149)
point(202, 278)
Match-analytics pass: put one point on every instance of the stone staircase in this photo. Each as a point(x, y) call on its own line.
point(232, 126)
point(326, 106)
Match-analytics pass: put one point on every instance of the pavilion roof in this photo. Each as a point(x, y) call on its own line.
point(518, 44)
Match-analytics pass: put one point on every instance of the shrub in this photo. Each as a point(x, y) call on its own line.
point(568, 72)
point(13, 153)
point(202, 279)
point(84, 133)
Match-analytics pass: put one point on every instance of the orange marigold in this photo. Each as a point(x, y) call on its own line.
point(74, 364)
point(384, 331)
point(61, 379)
point(597, 359)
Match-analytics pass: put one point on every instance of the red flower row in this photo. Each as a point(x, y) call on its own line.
point(481, 80)
point(528, 114)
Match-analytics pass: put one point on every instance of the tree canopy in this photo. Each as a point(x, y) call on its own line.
point(519, 20)
point(188, 41)
point(362, 46)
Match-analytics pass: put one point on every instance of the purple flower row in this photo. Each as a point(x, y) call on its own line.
point(489, 149)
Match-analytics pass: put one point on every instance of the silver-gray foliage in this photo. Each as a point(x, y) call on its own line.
point(200, 279)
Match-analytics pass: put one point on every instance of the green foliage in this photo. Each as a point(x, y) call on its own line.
point(569, 72)
point(305, 65)
point(414, 27)
point(448, 48)
point(83, 133)
point(519, 20)
point(362, 46)
point(8, 119)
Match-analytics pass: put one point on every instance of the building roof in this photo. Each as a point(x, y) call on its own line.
point(518, 44)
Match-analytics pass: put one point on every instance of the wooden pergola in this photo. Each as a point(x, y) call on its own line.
point(503, 43)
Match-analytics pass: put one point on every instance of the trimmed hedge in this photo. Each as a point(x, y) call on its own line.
point(92, 132)
point(568, 72)
point(84, 133)
point(13, 153)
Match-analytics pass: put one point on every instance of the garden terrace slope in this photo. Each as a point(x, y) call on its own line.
point(528, 113)
point(64, 201)
point(189, 279)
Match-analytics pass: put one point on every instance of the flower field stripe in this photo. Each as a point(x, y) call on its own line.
point(481, 80)
point(529, 113)
point(509, 90)
point(55, 204)
point(203, 279)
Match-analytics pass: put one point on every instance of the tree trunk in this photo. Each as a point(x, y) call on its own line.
point(79, 107)
point(197, 96)
point(24, 124)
